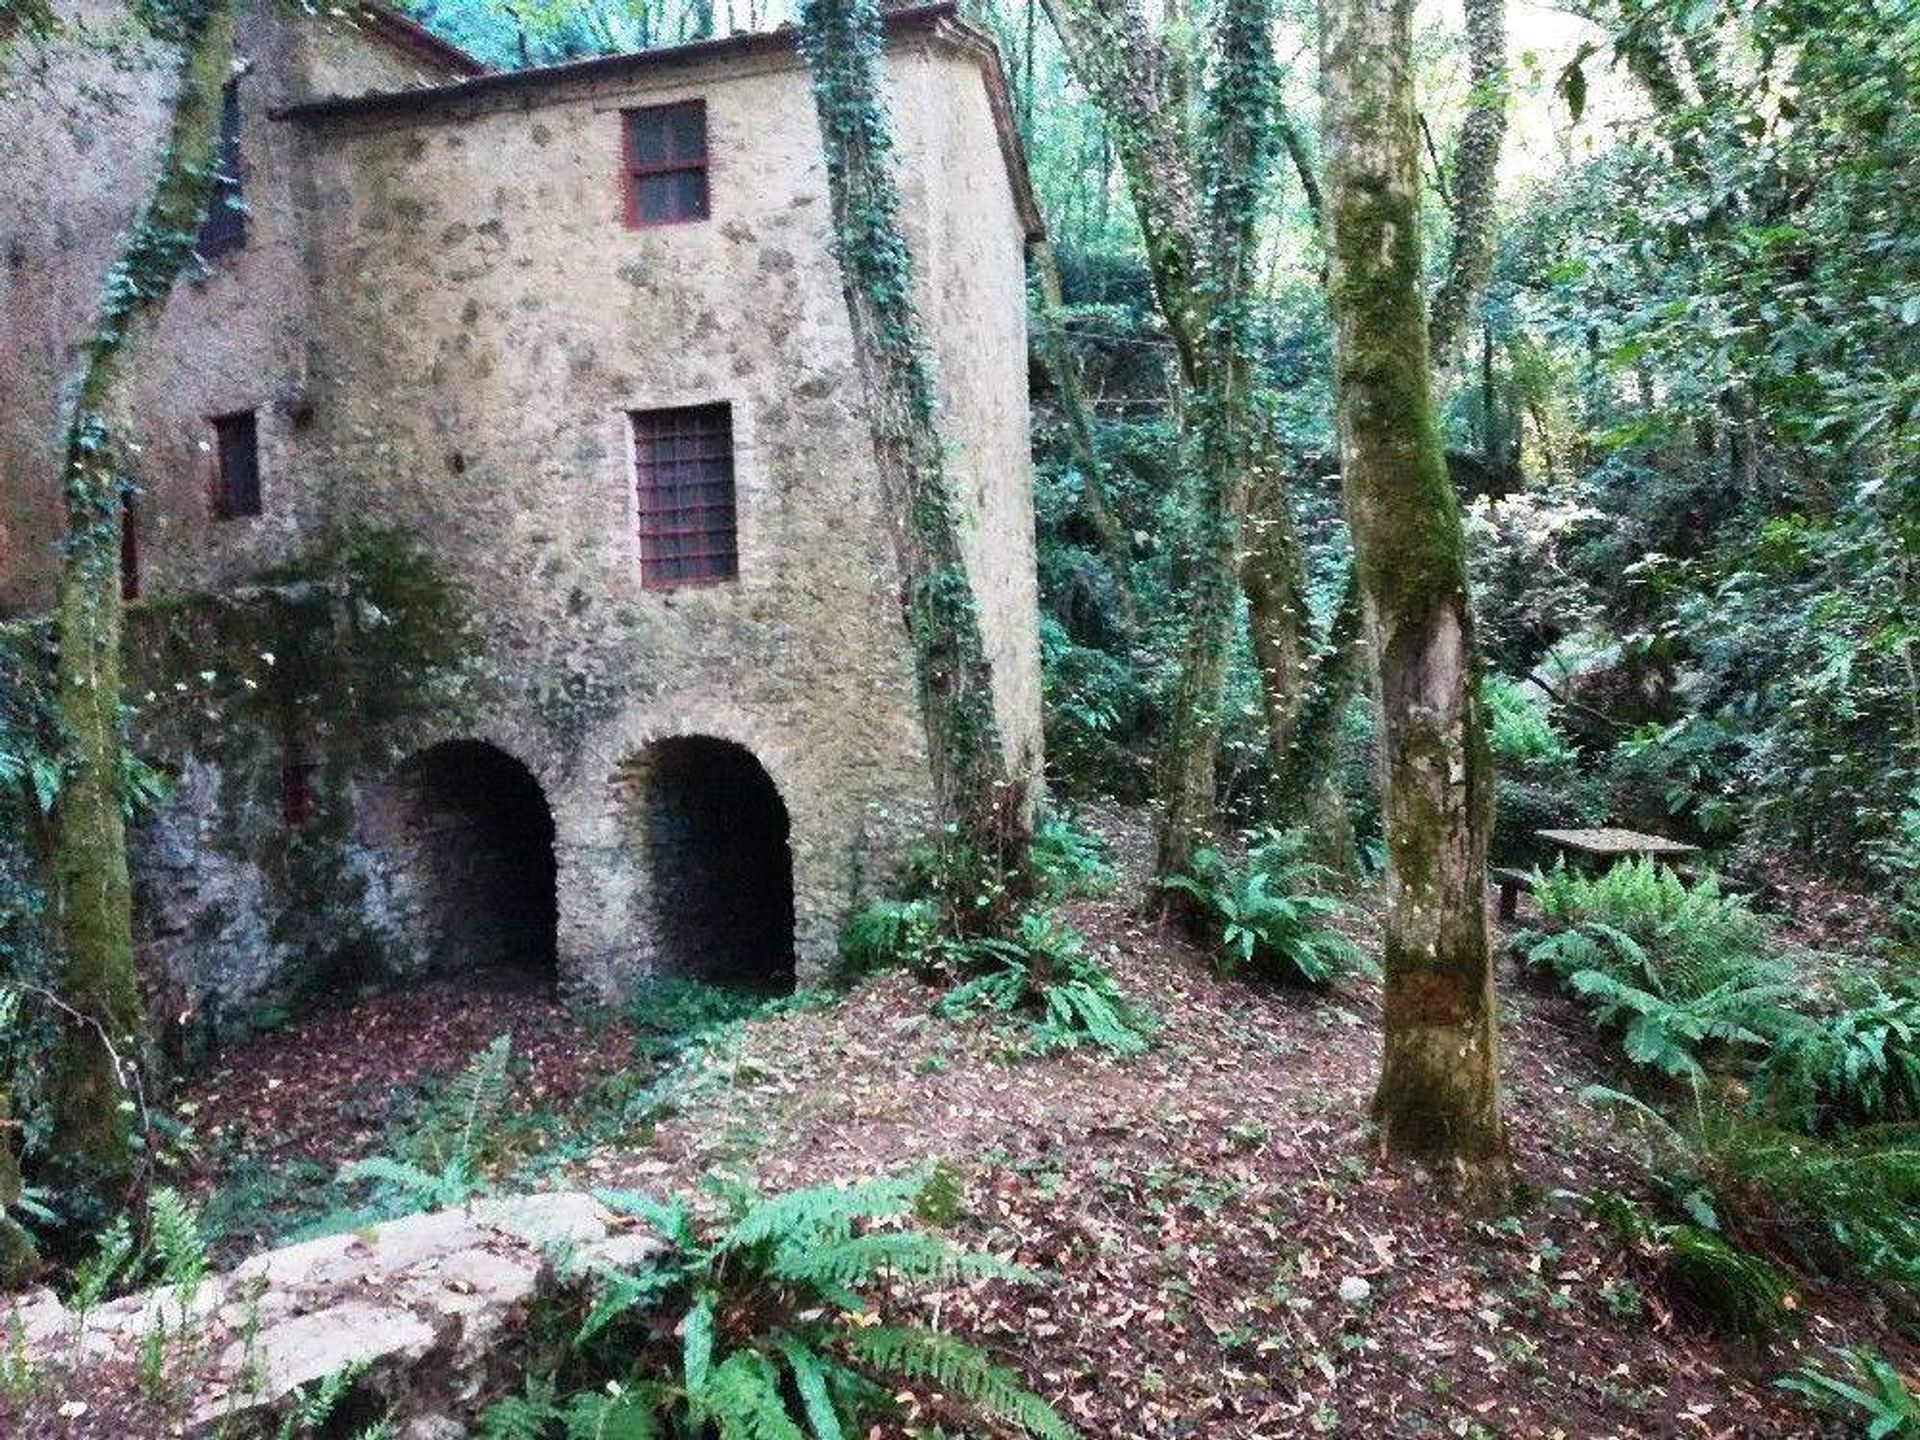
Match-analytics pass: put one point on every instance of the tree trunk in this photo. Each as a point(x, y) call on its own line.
point(92, 1124)
point(1307, 788)
point(979, 802)
point(1273, 577)
point(1201, 282)
point(1438, 1097)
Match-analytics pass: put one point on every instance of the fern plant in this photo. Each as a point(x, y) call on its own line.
point(1863, 1387)
point(446, 1167)
point(1681, 971)
point(1857, 1066)
point(1850, 1204)
point(1045, 971)
point(761, 1325)
point(1267, 914)
point(1706, 1275)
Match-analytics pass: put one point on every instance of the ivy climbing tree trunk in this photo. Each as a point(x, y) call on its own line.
point(1476, 174)
point(980, 804)
point(1196, 193)
point(1438, 1097)
point(92, 1120)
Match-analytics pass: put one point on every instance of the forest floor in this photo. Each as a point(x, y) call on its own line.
point(1203, 1212)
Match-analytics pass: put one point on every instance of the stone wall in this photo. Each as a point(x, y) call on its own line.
point(458, 398)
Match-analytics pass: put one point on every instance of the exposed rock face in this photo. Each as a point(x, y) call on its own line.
point(426, 1309)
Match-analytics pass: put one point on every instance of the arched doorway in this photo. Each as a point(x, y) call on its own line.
point(719, 870)
point(472, 839)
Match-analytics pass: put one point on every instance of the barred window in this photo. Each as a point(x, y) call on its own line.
point(666, 163)
point(683, 463)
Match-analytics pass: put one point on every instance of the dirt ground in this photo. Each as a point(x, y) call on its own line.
point(1227, 1254)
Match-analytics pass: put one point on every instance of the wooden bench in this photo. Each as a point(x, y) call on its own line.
point(1511, 883)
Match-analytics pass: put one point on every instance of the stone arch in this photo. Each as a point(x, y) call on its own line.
point(466, 841)
point(714, 843)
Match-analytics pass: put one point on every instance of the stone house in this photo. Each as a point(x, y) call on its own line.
point(511, 581)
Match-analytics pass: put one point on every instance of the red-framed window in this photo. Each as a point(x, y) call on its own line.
point(225, 225)
point(665, 155)
point(683, 469)
point(236, 476)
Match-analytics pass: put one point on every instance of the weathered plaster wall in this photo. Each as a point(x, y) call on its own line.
point(488, 323)
point(970, 250)
point(78, 147)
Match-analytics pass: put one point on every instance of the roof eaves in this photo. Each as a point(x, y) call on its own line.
point(939, 19)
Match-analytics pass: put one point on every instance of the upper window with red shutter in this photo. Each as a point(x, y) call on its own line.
point(683, 469)
point(225, 226)
point(666, 163)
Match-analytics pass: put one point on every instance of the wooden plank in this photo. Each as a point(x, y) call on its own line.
point(1609, 841)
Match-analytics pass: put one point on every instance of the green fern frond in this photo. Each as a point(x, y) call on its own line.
point(177, 1244)
point(480, 1094)
point(672, 1219)
point(960, 1370)
point(907, 1255)
point(823, 1212)
point(742, 1399)
point(619, 1413)
point(810, 1383)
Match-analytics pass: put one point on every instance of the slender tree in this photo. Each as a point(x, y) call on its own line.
point(1196, 188)
point(1439, 1083)
point(843, 42)
point(93, 909)
point(1476, 174)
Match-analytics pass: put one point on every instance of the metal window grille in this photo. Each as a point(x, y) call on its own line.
point(666, 164)
point(683, 463)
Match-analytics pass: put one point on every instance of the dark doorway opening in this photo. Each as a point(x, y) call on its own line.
point(720, 868)
point(478, 838)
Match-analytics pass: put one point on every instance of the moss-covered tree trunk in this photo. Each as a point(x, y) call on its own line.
point(1438, 1097)
point(843, 41)
point(93, 1126)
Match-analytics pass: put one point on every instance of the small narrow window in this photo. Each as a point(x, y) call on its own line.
point(298, 801)
point(683, 462)
point(225, 227)
point(236, 481)
point(666, 160)
point(129, 549)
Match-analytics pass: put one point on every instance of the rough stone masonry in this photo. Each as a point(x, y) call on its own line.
point(429, 699)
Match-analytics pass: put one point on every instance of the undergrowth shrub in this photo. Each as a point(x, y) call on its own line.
point(1537, 779)
point(1039, 969)
point(1267, 914)
point(444, 1159)
point(1862, 1387)
point(1068, 860)
point(762, 1324)
point(1859, 1065)
point(1850, 1204)
point(1706, 1277)
point(1045, 971)
point(1679, 970)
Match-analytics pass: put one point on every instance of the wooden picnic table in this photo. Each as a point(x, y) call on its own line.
point(1607, 844)
point(1610, 844)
